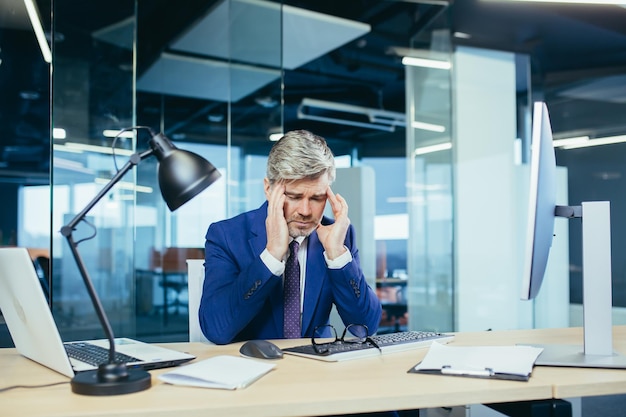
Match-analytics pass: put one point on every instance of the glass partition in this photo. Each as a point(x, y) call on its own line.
point(25, 139)
point(214, 86)
point(92, 84)
point(429, 181)
point(199, 90)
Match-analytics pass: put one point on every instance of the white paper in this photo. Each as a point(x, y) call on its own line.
point(513, 360)
point(223, 372)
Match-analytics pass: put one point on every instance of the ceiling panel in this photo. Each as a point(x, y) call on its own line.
point(610, 89)
point(255, 29)
point(204, 78)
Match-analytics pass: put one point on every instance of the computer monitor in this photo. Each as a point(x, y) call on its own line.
point(597, 349)
point(542, 203)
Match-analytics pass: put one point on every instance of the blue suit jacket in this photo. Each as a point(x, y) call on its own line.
point(242, 299)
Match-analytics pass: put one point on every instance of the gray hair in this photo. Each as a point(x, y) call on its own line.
point(300, 154)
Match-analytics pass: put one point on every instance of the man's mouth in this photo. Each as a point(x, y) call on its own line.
point(301, 224)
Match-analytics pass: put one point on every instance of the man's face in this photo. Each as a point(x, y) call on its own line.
point(305, 201)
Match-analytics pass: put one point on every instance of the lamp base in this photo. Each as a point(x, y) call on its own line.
point(111, 379)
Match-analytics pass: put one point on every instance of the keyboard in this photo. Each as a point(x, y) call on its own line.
point(94, 355)
point(388, 343)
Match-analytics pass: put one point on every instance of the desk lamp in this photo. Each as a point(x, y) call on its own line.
point(182, 175)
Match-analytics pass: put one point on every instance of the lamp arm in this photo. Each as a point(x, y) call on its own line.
point(68, 230)
point(134, 160)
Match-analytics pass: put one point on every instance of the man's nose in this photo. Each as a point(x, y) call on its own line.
point(304, 208)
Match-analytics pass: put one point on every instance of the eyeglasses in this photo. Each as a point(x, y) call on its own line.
point(357, 333)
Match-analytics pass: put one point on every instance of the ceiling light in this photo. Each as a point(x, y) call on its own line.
point(58, 133)
point(433, 2)
point(111, 133)
point(610, 140)
point(425, 62)
point(33, 14)
point(126, 185)
point(63, 148)
point(275, 133)
point(215, 117)
point(591, 2)
point(424, 57)
point(462, 35)
point(433, 148)
point(62, 163)
point(266, 102)
point(82, 147)
point(557, 143)
point(428, 126)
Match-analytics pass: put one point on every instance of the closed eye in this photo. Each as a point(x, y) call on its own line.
point(293, 196)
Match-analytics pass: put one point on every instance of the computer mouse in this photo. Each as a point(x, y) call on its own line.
point(261, 349)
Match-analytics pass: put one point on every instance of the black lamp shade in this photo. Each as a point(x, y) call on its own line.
point(182, 174)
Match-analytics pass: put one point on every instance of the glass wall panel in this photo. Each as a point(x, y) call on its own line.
point(429, 163)
point(92, 92)
point(349, 88)
point(24, 138)
point(256, 94)
point(592, 115)
point(214, 88)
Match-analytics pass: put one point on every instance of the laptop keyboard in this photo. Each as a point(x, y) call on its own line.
point(94, 355)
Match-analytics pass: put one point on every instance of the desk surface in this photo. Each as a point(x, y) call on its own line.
point(305, 387)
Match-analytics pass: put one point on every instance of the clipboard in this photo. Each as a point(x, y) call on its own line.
point(513, 363)
point(471, 373)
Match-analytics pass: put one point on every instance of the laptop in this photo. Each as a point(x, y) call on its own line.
point(36, 336)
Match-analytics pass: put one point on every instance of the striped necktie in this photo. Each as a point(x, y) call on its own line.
point(291, 291)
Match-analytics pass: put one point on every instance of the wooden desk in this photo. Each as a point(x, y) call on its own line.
point(305, 387)
point(567, 382)
point(581, 382)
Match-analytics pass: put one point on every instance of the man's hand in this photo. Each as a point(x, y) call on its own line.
point(275, 223)
point(333, 236)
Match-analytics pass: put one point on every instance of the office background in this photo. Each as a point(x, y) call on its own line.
point(444, 230)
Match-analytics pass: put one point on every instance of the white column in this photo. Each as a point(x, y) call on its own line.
point(484, 111)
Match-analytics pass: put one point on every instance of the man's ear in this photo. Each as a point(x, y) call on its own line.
point(267, 187)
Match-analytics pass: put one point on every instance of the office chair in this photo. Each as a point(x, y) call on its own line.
point(42, 267)
point(171, 269)
point(195, 279)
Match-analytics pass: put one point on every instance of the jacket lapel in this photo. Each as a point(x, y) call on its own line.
point(257, 241)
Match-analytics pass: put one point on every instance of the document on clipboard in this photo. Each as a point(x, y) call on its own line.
point(497, 362)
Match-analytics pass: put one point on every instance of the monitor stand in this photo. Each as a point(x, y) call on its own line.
point(574, 356)
point(597, 351)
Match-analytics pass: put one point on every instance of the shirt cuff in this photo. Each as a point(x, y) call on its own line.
point(340, 261)
point(275, 266)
